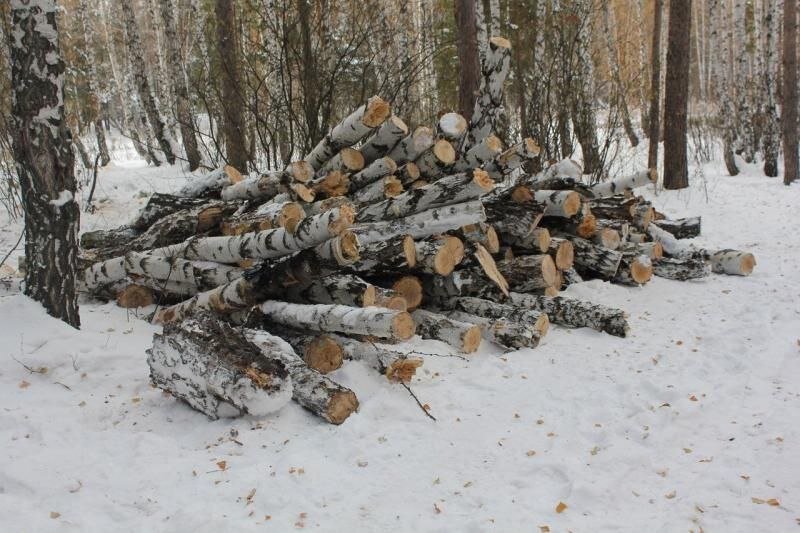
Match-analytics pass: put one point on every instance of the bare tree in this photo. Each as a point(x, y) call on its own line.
point(789, 107)
point(93, 82)
point(771, 135)
point(183, 107)
point(233, 127)
point(655, 87)
point(45, 163)
point(142, 83)
point(676, 96)
point(469, 69)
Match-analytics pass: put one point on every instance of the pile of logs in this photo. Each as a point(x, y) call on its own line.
point(267, 283)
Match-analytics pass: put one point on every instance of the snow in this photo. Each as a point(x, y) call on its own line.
point(691, 422)
point(64, 197)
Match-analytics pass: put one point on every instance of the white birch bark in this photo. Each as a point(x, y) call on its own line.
point(576, 313)
point(462, 336)
point(375, 321)
point(505, 332)
point(380, 167)
point(624, 184)
point(480, 154)
point(384, 139)
point(411, 146)
point(489, 104)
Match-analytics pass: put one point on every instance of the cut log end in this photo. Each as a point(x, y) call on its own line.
point(587, 227)
point(500, 42)
point(376, 112)
point(340, 406)
point(410, 251)
point(419, 184)
point(572, 204)
point(291, 214)
point(323, 354)
point(494, 144)
point(370, 296)
point(303, 192)
point(747, 264)
point(345, 219)
point(352, 159)
point(486, 261)
point(641, 271)
point(549, 271)
point(208, 218)
point(448, 256)
point(541, 238)
point(346, 251)
point(234, 176)
point(521, 195)
point(134, 296)
point(542, 325)
point(392, 187)
point(444, 152)
point(402, 370)
point(395, 303)
point(482, 179)
point(551, 291)
point(658, 250)
point(410, 288)
point(608, 238)
point(531, 146)
point(471, 339)
point(565, 255)
point(452, 125)
point(412, 171)
point(301, 170)
point(403, 326)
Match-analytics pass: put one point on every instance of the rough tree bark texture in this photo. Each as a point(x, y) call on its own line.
point(676, 97)
point(789, 108)
point(655, 87)
point(142, 83)
point(771, 142)
point(488, 109)
point(216, 370)
point(44, 159)
point(183, 105)
point(233, 127)
point(468, 61)
point(93, 82)
point(576, 313)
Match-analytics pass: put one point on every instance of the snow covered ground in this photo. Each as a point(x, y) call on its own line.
point(691, 424)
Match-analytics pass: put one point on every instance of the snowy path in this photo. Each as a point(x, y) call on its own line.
point(692, 422)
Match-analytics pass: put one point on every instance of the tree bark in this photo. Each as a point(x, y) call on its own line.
point(789, 107)
point(681, 269)
point(462, 336)
point(488, 109)
point(681, 228)
point(384, 139)
point(576, 313)
point(215, 369)
point(412, 145)
point(142, 83)
point(183, 104)
point(507, 333)
point(396, 366)
point(676, 98)
point(655, 87)
point(93, 82)
point(233, 97)
point(468, 60)
point(44, 159)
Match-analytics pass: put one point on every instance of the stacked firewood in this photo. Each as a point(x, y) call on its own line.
point(267, 283)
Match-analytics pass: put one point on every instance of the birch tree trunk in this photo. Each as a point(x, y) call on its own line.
point(610, 27)
point(93, 82)
point(655, 87)
point(139, 71)
point(468, 60)
point(44, 159)
point(771, 134)
point(182, 103)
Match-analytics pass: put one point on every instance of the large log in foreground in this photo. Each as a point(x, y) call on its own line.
point(380, 232)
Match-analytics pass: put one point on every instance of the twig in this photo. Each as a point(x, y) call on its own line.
point(11, 251)
point(41, 370)
point(418, 402)
point(89, 208)
point(65, 386)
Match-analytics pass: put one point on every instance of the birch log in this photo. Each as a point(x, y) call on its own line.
point(387, 187)
point(681, 228)
point(411, 147)
point(317, 393)
point(562, 251)
point(439, 254)
point(681, 269)
point(348, 132)
point(342, 289)
point(374, 321)
point(408, 173)
point(559, 203)
point(625, 183)
point(210, 183)
point(396, 366)
point(452, 127)
point(436, 161)
point(268, 280)
point(634, 270)
point(384, 139)
point(392, 254)
point(348, 160)
point(480, 233)
point(423, 224)
point(462, 336)
point(507, 333)
point(265, 187)
point(529, 272)
point(216, 370)
point(512, 159)
point(480, 154)
point(595, 260)
point(731, 262)
point(319, 351)
point(450, 190)
point(381, 167)
point(576, 313)
point(267, 216)
point(490, 309)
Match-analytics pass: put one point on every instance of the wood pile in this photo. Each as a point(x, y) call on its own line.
point(266, 283)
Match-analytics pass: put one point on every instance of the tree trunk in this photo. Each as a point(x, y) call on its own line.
point(676, 100)
point(93, 82)
point(396, 366)
point(340, 289)
point(576, 313)
point(215, 369)
point(232, 97)
point(468, 60)
point(789, 107)
point(412, 145)
point(488, 109)
point(45, 163)
point(529, 272)
point(317, 393)
point(462, 336)
point(609, 25)
point(142, 83)
point(681, 228)
point(183, 104)
point(655, 87)
point(507, 333)
point(490, 309)
point(681, 269)
point(384, 139)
